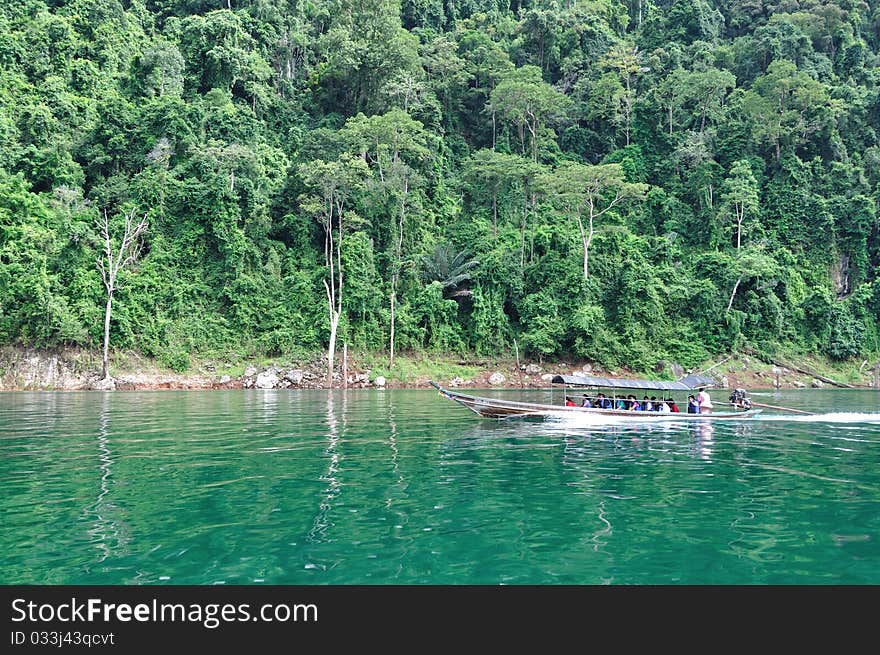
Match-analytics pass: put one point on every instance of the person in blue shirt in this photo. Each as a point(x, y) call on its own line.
point(693, 407)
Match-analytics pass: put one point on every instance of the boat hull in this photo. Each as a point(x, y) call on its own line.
point(500, 408)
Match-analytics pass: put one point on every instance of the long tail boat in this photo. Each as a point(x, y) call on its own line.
point(578, 387)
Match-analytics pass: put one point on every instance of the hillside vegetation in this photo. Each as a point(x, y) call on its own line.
point(627, 183)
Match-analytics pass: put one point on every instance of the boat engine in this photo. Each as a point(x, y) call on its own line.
point(739, 398)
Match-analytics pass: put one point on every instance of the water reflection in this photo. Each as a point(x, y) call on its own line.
point(107, 530)
point(598, 538)
point(703, 438)
point(318, 533)
point(392, 443)
point(228, 486)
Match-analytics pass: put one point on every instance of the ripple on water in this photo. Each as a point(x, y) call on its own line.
point(405, 487)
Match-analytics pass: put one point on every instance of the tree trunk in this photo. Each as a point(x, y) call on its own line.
point(532, 232)
point(585, 243)
point(331, 347)
point(494, 214)
point(105, 358)
point(587, 248)
point(345, 365)
point(391, 354)
point(533, 131)
point(733, 295)
point(740, 214)
point(395, 276)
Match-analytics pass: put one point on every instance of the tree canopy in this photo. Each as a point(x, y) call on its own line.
point(629, 182)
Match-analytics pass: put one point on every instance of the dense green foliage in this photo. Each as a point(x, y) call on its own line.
point(716, 162)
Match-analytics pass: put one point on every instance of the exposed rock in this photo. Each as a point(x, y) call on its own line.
point(547, 377)
point(677, 370)
point(456, 382)
point(294, 376)
point(104, 384)
point(533, 369)
point(266, 380)
point(587, 368)
point(379, 381)
point(798, 384)
point(34, 369)
point(725, 382)
point(225, 379)
point(250, 371)
point(816, 384)
point(496, 378)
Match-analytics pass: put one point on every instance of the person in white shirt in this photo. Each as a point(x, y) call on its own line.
point(704, 402)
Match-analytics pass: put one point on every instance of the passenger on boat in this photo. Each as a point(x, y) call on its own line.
point(672, 406)
point(602, 402)
point(693, 407)
point(586, 402)
point(634, 404)
point(621, 404)
point(646, 404)
point(655, 404)
point(569, 402)
point(704, 401)
point(662, 407)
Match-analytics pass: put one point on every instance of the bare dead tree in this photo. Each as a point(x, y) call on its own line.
point(112, 260)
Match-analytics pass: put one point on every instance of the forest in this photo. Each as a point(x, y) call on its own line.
point(624, 182)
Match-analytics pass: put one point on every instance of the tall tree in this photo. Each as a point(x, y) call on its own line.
point(786, 106)
point(590, 192)
point(494, 172)
point(117, 253)
point(396, 146)
point(528, 103)
point(333, 185)
point(626, 62)
point(741, 194)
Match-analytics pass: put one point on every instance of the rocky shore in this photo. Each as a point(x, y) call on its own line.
point(73, 370)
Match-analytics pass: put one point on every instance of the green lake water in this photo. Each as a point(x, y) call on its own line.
point(405, 487)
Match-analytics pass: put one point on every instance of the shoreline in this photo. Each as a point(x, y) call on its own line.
point(24, 369)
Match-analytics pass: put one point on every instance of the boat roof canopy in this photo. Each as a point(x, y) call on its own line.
point(688, 383)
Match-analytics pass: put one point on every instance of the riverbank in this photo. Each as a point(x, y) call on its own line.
point(75, 369)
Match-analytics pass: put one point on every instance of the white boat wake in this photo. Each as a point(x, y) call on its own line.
point(571, 419)
point(830, 417)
